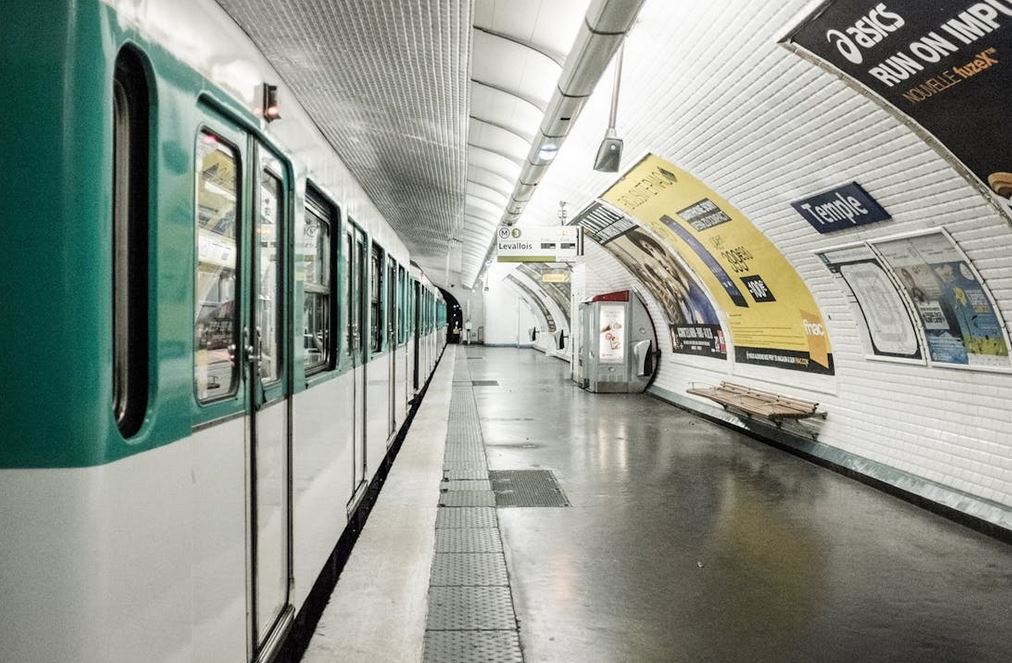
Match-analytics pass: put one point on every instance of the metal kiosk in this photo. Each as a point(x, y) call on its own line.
point(617, 350)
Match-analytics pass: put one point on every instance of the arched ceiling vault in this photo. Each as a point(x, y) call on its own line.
point(432, 104)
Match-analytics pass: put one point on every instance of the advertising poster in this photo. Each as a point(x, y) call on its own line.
point(692, 322)
point(960, 323)
point(946, 64)
point(535, 300)
point(889, 329)
point(557, 291)
point(772, 317)
point(611, 344)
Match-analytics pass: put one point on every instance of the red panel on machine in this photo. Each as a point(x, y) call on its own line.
point(620, 296)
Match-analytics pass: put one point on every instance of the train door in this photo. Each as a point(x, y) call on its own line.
point(267, 365)
point(392, 311)
point(417, 294)
point(355, 246)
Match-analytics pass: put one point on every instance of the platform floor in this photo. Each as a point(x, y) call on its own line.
point(683, 541)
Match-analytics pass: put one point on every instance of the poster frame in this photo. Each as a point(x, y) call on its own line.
point(811, 12)
point(942, 230)
point(647, 295)
point(856, 305)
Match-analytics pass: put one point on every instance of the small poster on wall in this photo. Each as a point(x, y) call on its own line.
point(960, 322)
point(611, 346)
point(889, 329)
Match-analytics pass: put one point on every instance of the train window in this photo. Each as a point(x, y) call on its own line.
point(317, 314)
point(402, 306)
point(130, 242)
point(353, 316)
point(391, 303)
point(375, 299)
point(269, 277)
point(216, 308)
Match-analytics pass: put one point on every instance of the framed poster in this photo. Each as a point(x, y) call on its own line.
point(960, 321)
point(611, 337)
point(692, 321)
point(772, 317)
point(889, 330)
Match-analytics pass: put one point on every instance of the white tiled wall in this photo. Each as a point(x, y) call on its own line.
point(507, 317)
point(706, 86)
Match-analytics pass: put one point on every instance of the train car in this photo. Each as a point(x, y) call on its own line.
point(212, 338)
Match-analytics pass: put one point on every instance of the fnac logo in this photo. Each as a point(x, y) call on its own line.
point(813, 328)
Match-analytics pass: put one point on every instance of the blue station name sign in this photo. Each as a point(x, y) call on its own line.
point(840, 208)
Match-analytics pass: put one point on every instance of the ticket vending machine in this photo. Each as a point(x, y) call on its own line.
point(617, 351)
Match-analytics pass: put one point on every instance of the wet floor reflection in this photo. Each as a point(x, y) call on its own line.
point(688, 542)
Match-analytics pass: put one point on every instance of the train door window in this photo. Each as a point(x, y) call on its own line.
point(216, 306)
point(375, 299)
point(269, 276)
point(352, 316)
point(402, 306)
point(318, 313)
point(391, 302)
point(131, 103)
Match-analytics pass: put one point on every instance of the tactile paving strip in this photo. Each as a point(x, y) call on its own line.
point(471, 615)
point(468, 540)
point(467, 498)
point(466, 517)
point(463, 473)
point(484, 383)
point(468, 569)
point(526, 488)
point(472, 647)
point(470, 608)
point(466, 484)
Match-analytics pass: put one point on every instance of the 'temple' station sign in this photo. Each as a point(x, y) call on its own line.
point(844, 207)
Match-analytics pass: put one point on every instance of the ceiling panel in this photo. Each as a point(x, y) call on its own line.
point(387, 83)
point(432, 104)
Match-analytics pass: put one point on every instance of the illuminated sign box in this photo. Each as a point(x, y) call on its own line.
point(539, 243)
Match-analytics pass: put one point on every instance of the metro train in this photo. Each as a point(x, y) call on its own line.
point(212, 337)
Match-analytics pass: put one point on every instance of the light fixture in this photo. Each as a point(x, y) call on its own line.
point(269, 108)
point(548, 152)
point(609, 155)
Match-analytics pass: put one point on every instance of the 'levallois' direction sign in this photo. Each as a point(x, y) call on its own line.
point(539, 243)
point(844, 207)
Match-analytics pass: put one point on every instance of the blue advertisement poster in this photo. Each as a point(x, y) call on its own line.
point(960, 324)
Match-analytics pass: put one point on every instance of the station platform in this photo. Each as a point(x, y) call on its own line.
point(527, 520)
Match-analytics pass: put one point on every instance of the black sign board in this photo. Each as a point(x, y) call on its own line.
point(840, 208)
point(947, 64)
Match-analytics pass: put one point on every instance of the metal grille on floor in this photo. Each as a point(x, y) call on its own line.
point(530, 488)
point(471, 615)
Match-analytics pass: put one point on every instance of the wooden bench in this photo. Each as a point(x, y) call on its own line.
point(774, 407)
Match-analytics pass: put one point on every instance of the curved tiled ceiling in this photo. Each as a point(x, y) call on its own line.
point(518, 50)
point(386, 81)
point(432, 104)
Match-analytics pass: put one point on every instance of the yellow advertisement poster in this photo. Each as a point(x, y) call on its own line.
point(772, 316)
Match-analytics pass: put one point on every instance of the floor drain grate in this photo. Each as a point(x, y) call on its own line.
point(484, 383)
point(526, 488)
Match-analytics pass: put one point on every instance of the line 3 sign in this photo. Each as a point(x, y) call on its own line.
point(841, 208)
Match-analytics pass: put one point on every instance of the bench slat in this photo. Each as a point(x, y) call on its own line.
point(756, 401)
